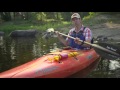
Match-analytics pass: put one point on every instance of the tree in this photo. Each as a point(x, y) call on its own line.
point(6, 16)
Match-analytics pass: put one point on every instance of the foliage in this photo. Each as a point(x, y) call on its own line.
point(10, 21)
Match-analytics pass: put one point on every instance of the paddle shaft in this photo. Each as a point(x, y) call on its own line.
point(94, 45)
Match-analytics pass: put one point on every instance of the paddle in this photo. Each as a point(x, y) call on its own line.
point(93, 45)
point(110, 44)
point(112, 47)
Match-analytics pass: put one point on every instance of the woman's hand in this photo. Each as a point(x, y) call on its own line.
point(76, 40)
point(57, 33)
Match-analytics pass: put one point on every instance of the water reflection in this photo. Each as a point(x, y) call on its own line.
point(103, 70)
point(1, 40)
point(17, 51)
point(12, 50)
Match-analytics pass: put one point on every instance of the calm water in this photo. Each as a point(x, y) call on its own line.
point(17, 51)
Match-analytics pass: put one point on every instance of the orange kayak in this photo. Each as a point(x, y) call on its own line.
point(59, 64)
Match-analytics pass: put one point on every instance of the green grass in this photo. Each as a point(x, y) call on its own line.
point(7, 27)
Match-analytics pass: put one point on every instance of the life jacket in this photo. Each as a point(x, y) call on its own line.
point(79, 35)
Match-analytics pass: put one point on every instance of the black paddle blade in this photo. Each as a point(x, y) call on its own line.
point(111, 47)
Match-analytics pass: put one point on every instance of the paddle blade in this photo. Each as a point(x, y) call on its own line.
point(111, 51)
point(50, 30)
point(111, 47)
point(48, 34)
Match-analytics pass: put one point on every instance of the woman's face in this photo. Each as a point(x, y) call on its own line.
point(76, 21)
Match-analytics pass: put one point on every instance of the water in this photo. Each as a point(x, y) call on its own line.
point(17, 51)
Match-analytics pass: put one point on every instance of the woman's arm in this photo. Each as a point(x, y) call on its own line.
point(61, 39)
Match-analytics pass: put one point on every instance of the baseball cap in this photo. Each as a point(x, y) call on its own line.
point(75, 15)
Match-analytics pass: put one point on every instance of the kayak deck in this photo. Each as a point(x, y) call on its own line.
point(59, 64)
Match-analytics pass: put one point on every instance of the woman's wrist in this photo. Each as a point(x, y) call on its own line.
point(82, 43)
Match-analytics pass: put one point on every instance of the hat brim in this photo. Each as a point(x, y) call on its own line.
point(75, 17)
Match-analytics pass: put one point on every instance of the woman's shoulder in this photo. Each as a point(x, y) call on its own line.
point(87, 28)
point(71, 30)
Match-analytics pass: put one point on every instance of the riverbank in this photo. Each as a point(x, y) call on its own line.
point(8, 27)
point(110, 28)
